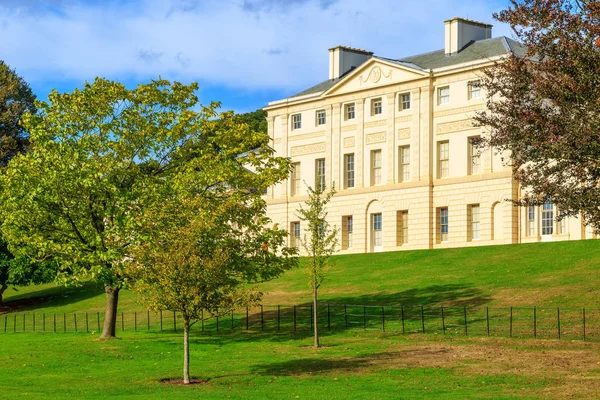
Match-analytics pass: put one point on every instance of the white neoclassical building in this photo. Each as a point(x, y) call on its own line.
point(393, 135)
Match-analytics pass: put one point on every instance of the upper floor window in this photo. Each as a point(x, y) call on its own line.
point(349, 111)
point(443, 159)
point(320, 173)
point(444, 95)
point(376, 106)
point(321, 117)
point(295, 179)
point(375, 167)
point(404, 158)
point(296, 121)
point(349, 170)
point(404, 101)
point(474, 90)
point(474, 156)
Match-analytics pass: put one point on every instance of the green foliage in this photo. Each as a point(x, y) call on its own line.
point(321, 241)
point(16, 99)
point(257, 122)
point(544, 106)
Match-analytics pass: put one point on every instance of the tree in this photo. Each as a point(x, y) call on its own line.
point(320, 243)
point(16, 99)
point(201, 247)
point(20, 271)
point(544, 108)
point(257, 121)
point(98, 157)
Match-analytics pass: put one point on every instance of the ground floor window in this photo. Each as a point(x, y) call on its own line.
point(347, 229)
point(547, 218)
point(401, 228)
point(377, 230)
point(475, 221)
point(295, 229)
point(443, 225)
point(531, 221)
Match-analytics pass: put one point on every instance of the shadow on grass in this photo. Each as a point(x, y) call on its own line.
point(398, 359)
point(51, 297)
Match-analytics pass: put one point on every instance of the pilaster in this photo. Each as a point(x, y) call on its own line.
point(392, 169)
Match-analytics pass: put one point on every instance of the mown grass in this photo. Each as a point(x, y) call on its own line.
point(358, 365)
point(563, 274)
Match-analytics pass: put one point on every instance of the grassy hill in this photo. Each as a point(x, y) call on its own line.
point(561, 274)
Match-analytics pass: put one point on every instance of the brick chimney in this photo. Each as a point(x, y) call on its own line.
point(461, 31)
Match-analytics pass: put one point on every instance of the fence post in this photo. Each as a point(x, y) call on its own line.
point(135, 321)
point(364, 317)
point(328, 317)
point(558, 320)
point(202, 316)
point(148, 319)
point(34, 322)
point(422, 320)
point(44, 322)
point(383, 318)
point(54, 322)
point(402, 316)
point(64, 322)
point(98, 317)
point(232, 319)
point(247, 319)
point(487, 318)
point(161, 324)
point(443, 321)
point(278, 317)
point(23, 322)
point(584, 324)
point(511, 322)
point(345, 316)
point(15, 324)
point(175, 321)
point(5, 322)
point(534, 322)
point(75, 320)
point(217, 318)
point(294, 318)
point(466, 325)
point(122, 320)
point(87, 323)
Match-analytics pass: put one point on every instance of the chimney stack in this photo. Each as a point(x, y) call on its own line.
point(343, 59)
point(461, 31)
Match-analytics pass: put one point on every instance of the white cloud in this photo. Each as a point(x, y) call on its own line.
point(247, 44)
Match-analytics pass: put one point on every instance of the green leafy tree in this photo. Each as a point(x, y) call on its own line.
point(257, 122)
point(98, 158)
point(202, 247)
point(320, 243)
point(16, 99)
point(20, 271)
point(544, 108)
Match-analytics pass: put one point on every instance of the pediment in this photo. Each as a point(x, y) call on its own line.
point(375, 73)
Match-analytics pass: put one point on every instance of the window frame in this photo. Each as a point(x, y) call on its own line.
point(444, 218)
point(531, 221)
point(296, 234)
point(349, 108)
point(295, 179)
point(475, 223)
point(404, 163)
point(376, 110)
point(474, 155)
point(547, 217)
point(318, 120)
point(471, 90)
point(404, 104)
point(443, 99)
point(401, 227)
point(348, 171)
point(320, 178)
point(297, 121)
point(377, 227)
point(347, 232)
point(443, 162)
point(376, 170)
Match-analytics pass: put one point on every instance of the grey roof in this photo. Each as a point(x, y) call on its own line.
point(474, 51)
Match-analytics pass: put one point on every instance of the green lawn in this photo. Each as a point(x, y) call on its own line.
point(356, 364)
point(561, 274)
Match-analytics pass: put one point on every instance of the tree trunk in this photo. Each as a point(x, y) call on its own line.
point(2, 289)
point(110, 316)
point(315, 313)
point(186, 350)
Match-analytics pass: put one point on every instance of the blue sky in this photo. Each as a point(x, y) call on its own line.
point(243, 53)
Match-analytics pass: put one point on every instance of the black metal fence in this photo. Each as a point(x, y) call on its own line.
point(536, 322)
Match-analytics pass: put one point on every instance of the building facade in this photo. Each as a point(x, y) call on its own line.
point(395, 138)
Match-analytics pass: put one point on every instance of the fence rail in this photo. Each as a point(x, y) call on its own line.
point(536, 322)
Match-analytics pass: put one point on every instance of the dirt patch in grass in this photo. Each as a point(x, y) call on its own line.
point(193, 381)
